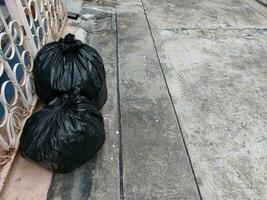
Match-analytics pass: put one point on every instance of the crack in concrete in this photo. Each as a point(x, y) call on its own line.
point(119, 113)
point(173, 107)
point(209, 29)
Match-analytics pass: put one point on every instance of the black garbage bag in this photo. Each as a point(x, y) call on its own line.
point(61, 66)
point(67, 132)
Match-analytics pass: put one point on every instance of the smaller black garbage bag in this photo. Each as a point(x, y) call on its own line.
point(60, 66)
point(67, 132)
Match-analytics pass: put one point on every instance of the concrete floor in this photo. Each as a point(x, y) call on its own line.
point(186, 116)
point(192, 102)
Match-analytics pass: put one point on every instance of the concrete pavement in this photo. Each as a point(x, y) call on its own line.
point(191, 94)
point(213, 56)
point(186, 116)
point(155, 163)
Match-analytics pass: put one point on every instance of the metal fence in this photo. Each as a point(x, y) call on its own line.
point(26, 25)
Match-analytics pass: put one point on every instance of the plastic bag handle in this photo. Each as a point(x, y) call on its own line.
point(69, 43)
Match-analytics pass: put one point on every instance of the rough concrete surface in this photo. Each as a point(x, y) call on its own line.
point(186, 116)
point(203, 14)
point(218, 81)
point(155, 164)
point(213, 56)
point(22, 183)
point(74, 6)
point(264, 2)
point(192, 76)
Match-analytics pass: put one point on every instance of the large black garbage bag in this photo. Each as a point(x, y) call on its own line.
point(63, 65)
point(67, 132)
